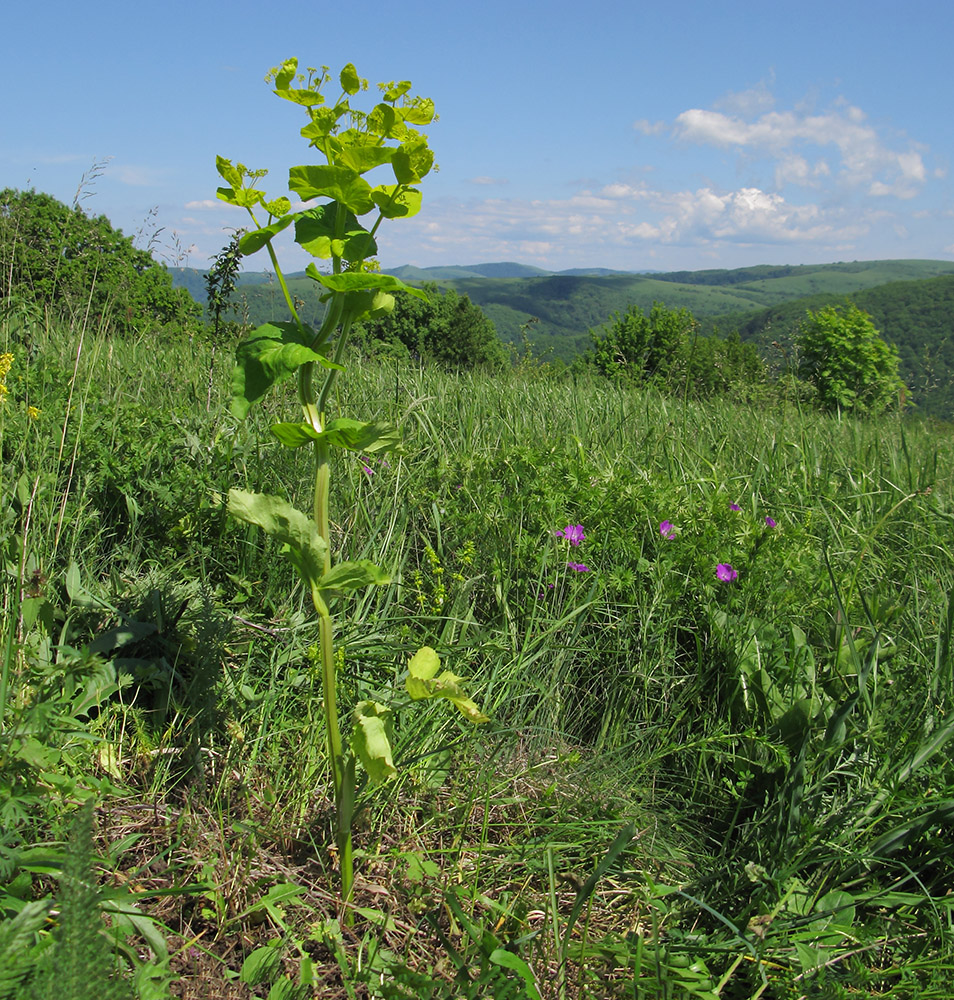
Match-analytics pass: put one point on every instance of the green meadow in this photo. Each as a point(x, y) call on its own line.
point(713, 641)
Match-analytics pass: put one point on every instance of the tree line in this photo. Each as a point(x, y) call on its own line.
point(57, 256)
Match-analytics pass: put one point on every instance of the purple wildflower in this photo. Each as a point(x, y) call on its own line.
point(573, 533)
point(578, 567)
point(667, 530)
point(770, 522)
point(726, 573)
point(734, 506)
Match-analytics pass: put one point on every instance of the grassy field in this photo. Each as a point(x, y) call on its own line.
point(718, 762)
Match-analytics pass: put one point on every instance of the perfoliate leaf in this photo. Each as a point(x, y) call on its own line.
point(350, 81)
point(316, 229)
point(396, 201)
point(353, 281)
point(305, 546)
point(424, 664)
point(270, 353)
point(385, 121)
point(352, 435)
point(371, 739)
point(230, 174)
point(363, 157)
point(412, 161)
point(341, 184)
point(243, 198)
point(355, 435)
point(349, 576)
point(396, 90)
point(419, 112)
point(254, 241)
point(286, 74)
point(294, 435)
point(370, 303)
point(421, 683)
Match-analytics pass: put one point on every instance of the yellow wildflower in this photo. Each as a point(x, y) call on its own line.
point(33, 412)
point(6, 363)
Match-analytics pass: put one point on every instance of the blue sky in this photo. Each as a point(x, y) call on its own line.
point(615, 134)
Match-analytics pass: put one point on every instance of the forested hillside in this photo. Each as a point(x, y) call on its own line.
point(917, 317)
point(911, 302)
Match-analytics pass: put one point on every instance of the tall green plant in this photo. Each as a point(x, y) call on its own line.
point(351, 142)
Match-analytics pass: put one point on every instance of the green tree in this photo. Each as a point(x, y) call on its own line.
point(850, 366)
point(447, 328)
point(641, 348)
point(62, 258)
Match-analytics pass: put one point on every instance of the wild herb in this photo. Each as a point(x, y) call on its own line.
point(351, 142)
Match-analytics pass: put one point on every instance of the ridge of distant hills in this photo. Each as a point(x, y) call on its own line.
point(911, 301)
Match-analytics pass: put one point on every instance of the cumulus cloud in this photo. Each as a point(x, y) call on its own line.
point(802, 143)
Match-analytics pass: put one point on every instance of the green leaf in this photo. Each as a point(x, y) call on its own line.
point(353, 435)
point(243, 198)
point(363, 157)
point(270, 354)
point(500, 956)
point(317, 231)
point(286, 74)
point(350, 81)
point(230, 174)
point(294, 435)
point(261, 966)
point(348, 576)
point(371, 739)
point(421, 683)
point(397, 201)
point(305, 546)
point(352, 281)
point(419, 112)
point(254, 241)
point(341, 184)
point(368, 303)
point(412, 161)
point(385, 121)
point(424, 664)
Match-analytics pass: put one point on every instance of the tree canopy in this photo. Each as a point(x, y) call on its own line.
point(663, 348)
point(446, 327)
point(73, 262)
point(849, 365)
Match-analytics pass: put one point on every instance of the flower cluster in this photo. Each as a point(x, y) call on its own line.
point(725, 572)
point(6, 363)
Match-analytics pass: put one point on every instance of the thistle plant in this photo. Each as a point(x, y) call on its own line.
point(350, 142)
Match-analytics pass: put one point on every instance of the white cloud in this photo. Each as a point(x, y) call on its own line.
point(487, 181)
point(795, 138)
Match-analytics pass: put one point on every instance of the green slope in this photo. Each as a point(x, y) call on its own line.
point(563, 308)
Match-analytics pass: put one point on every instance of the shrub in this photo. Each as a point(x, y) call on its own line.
point(850, 366)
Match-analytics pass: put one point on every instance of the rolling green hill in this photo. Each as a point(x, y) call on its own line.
point(912, 302)
point(566, 306)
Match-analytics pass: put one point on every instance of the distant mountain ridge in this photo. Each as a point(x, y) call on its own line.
point(501, 269)
point(555, 312)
